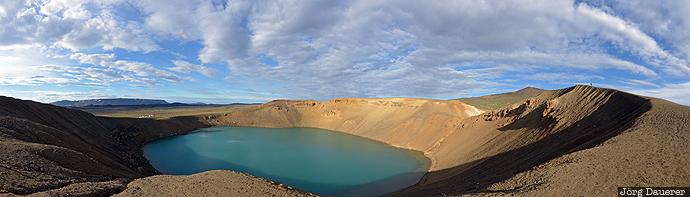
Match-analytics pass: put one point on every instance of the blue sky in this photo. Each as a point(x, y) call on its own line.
point(253, 51)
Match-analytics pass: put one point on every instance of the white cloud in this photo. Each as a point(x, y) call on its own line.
point(19, 64)
point(186, 67)
point(637, 82)
point(619, 30)
point(224, 37)
point(679, 93)
point(106, 32)
point(218, 25)
point(630, 37)
point(73, 24)
point(39, 65)
point(47, 96)
point(95, 59)
point(566, 78)
point(172, 18)
point(139, 70)
point(667, 20)
point(527, 58)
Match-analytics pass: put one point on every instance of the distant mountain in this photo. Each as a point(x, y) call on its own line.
point(497, 101)
point(110, 102)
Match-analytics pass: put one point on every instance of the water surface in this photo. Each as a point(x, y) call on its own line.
point(314, 160)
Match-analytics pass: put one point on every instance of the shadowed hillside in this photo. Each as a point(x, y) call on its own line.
point(47, 147)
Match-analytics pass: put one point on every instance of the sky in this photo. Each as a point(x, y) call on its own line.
point(225, 51)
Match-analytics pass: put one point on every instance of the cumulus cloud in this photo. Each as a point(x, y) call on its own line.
point(73, 24)
point(140, 70)
point(77, 75)
point(96, 59)
point(107, 33)
point(173, 18)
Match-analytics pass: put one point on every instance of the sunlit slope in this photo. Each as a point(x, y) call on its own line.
point(410, 123)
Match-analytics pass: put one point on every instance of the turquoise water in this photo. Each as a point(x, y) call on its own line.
point(314, 160)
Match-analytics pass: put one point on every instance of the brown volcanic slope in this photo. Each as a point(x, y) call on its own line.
point(578, 140)
point(410, 123)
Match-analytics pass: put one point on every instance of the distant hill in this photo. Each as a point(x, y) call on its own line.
point(110, 102)
point(498, 101)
